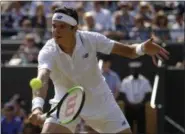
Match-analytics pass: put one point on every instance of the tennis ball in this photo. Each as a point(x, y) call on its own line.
point(35, 83)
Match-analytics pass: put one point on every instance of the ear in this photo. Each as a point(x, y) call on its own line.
point(74, 28)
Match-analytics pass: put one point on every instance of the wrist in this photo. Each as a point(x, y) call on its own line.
point(37, 110)
point(37, 103)
point(140, 49)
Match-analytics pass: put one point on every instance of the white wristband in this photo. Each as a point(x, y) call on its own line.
point(37, 102)
point(139, 49)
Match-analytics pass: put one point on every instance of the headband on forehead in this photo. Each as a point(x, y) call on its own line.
point(64, 18)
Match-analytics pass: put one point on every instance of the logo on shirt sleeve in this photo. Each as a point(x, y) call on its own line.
point(124, 123)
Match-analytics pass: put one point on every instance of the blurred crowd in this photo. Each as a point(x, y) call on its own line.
point(30, 21)
point(14, 118)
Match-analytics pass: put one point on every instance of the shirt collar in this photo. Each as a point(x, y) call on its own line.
point(77, 45)
point(108, 73)
point(78, 41)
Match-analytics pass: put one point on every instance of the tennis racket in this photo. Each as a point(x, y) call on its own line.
point(69, 107)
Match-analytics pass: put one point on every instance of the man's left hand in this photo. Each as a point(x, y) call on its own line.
point(155, 50)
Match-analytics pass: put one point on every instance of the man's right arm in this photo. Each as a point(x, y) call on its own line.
point(45, 65)
point(43, 75)
point(39, 97)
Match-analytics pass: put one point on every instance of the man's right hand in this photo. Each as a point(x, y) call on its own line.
point(35, 117)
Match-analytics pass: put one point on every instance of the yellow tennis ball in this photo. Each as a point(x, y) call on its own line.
point(35, 84)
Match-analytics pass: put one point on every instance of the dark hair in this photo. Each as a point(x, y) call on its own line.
point(68, 11)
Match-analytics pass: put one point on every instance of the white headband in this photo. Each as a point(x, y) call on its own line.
point(64, 18)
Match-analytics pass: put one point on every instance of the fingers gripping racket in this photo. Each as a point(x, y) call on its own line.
point(69, 107)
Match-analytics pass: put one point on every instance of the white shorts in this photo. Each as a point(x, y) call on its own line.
point(111, 121)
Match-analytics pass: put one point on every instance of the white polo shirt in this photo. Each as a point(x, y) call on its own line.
point(135, 90)
point(80, 69)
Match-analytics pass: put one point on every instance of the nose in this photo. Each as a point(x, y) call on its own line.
point(56, 31)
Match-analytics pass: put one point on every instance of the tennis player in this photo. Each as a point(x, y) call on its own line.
point(69, 59)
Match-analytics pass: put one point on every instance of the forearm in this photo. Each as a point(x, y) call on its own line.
point(129, 51)
point(43, 75)
point(39, 95)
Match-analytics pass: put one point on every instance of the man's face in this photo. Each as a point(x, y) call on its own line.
point(30, 42)
point(124, 9)
point(118, 19)
point(9, 112)
point(97, 5)
point(106, 66)
point(27, 26)
point(90, 21)
point(144, 9)
point(139, 23)
point(135, 72)
point(62, 31)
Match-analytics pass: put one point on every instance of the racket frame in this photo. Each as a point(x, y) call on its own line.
point(58, 106)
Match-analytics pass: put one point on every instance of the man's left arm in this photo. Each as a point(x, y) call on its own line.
point(135, 50)
point(108, 46)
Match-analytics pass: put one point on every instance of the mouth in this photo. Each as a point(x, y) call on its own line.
point(58, 37)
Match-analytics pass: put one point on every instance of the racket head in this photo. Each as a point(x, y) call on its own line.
point(71, 105)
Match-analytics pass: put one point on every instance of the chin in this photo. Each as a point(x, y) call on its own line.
point(57, 39)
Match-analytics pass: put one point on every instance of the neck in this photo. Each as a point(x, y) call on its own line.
point(68, 45)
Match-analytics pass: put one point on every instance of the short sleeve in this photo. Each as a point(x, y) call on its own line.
point(123, 86)
point(45, 60)
point(104, 44)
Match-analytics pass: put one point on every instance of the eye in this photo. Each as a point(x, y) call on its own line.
point(62, 26)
